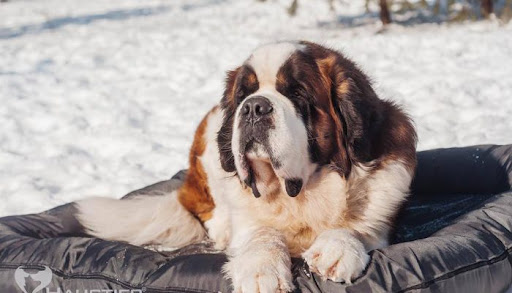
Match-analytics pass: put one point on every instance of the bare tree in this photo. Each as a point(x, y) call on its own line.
point(424, 3)
point(487, 8)
point(385, 17)
point(292, 10)
point(441, 7)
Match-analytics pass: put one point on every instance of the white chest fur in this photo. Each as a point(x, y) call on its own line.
point(318, 207)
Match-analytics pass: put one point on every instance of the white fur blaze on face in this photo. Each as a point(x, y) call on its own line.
point(287, 147)
point(268, 59)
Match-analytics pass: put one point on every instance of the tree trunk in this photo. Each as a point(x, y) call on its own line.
point(441, 7)
point(384, 12)
point(292, 10)
point(331, 5)
point(487, 8)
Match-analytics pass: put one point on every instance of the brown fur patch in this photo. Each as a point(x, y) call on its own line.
point(343, 88)
point(366, 129)
point(334, 79)
point(252, 80)
point(301, 240)
point(194, 194)
point(230, 89)
point(239, 83)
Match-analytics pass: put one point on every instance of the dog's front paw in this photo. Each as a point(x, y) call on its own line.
point(337, 255)
point(260, 272)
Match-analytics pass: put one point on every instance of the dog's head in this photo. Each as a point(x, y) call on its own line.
point(291, 108)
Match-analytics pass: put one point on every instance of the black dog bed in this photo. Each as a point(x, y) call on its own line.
point(453, 235)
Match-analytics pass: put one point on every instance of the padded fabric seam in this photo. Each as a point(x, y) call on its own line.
point(106, 278)
point(456, 272)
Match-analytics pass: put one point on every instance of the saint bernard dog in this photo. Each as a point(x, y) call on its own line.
point(299, 159)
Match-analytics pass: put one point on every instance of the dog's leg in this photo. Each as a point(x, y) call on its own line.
point(150, 220)
point(342, 254)
point(259, 262)
point(219, 229)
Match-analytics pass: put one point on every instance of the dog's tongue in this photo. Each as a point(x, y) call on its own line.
point(293, 186)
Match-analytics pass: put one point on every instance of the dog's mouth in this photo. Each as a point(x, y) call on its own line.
point(253, 152)
point(260, 168)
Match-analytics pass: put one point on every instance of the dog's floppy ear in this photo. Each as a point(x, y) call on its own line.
point(231, 89)
point(228, 105)
point(354, 110)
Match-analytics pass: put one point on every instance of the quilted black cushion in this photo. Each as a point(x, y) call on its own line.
point(453, 235)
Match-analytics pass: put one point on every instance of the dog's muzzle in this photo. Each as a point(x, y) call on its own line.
point(255, 122)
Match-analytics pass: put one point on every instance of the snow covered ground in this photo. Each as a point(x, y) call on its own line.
point(102, 97)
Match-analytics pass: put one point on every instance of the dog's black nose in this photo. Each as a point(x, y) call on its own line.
point(256, 107)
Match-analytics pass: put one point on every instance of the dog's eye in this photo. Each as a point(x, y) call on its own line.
point(297, 94)
point(239, 97)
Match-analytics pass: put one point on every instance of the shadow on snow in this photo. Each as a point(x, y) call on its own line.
point(57, 23)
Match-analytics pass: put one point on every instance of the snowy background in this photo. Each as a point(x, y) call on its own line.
point(102, 97)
